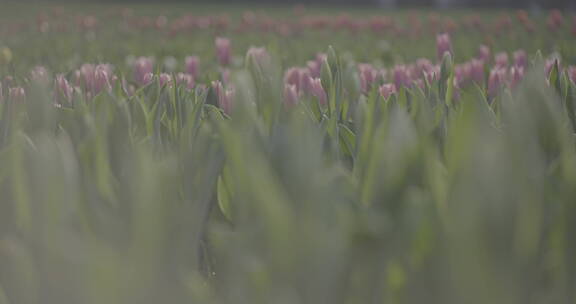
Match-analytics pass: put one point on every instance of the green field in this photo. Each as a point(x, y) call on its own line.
point(304, 155)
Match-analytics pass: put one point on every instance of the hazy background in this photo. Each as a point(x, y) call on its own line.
point(531, 4)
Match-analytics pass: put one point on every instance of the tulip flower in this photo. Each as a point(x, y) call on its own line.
point(223, 51)
point(148, 77)
point(225, 96)
point(314, 68)
point(520, 58)
point(443, 45)
point(401, 76)
point(193, 65)
point(317, 90)
point(165, 79)
point(368, 75)
point(571, 74)
point(477, 71)
point(496, 80)
point(387, 90)
point(64, 91)
point(187, 80)
point(258, 56)
point(143, 66)
point(516, 75)
point(501, 60)
point(290, 95)
point(484, 53)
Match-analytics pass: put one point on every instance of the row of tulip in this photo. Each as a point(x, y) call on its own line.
point(60, 21)
point(486, 71)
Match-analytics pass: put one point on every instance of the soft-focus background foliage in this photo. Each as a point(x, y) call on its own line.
point(435, 194)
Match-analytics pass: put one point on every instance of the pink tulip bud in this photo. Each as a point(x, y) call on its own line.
point(317, 90)
point(64, 91)
point(484, 53)
point(259, 55)
point(401, 76)
point(40, 75)
point(165, 79)
point(187, 80)
point(292, 77)
point(225, 76)
point(462, 73)
point(223, 51)
point(143, 66)
point(17, 94)
point(225, 96)
point(314, 68)
point(424, 65)
point(477, 71)
point(571, 74)
point(368, 75)
point(102, 80)
point(520, 58)
point(443, 45)
point(147, 78)
point(193, 66)
point(387, 90)
point(496, 80)
point(501, 60)
point(516, 75)
point(290, 95)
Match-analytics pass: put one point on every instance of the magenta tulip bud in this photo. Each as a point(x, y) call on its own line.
point(387, 90)
point(225, 76)
point(571, 74)
point(443, 45)
point(424, 65)
point(401, 76)
point(477, 71)
point(292, 77)
point(259, 55)
point(223, 51)
point(496, 80)
point(462, 73)
point(142, 67)
point(520, 58)
point(17, 94)
point(63, 89)
point(147, 78)
point(516, 75)
point(290, 95)
point(484, 53)
point(225, 97)
point(314, 68)
point(193, 65)
point(165, 79)
point(40, 75)
point(186, 80)
point(317, 90)
point(102, 79)
point(432, 74)
point(368, 75)
point(501, 60)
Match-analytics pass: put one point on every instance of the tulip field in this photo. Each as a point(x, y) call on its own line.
point(183, 154)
